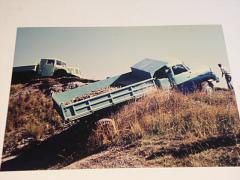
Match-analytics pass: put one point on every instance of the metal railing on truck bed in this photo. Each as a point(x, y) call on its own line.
point(90, 105)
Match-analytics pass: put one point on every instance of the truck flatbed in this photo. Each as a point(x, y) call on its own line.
point(88, 106)
point(30, 68)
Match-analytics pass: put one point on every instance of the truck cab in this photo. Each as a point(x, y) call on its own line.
point(55, 67)
point(173, 74)
point(182, 77)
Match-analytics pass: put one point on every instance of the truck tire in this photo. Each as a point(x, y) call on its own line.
point(102, 136)
point(207, 87)
point(60, 73)
point(107, 124)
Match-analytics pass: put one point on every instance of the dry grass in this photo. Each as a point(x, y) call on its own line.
point(168, 115)
point(174, 115)
point(30, 116)
point(29, 110)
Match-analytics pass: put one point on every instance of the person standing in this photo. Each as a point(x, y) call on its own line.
point(227, 75)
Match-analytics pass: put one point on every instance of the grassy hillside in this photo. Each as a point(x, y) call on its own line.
point(169, 129)
point(174, 115)
point(31, 113)
point(163, 128)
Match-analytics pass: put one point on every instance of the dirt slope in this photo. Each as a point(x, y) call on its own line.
point(163, 128)
point(137, 155)
point(169, 129)
point(31, 113)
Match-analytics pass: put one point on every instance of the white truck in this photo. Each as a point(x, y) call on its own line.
point(48, 67)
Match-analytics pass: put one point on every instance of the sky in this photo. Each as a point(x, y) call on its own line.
point(101, 52)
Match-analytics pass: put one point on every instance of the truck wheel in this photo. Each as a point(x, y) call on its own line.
point(107, 124)
point(207, 87)
point(102, 136)
point(60, 73)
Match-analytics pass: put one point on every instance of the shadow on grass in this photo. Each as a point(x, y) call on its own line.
point(196, 147)
point(58, 150)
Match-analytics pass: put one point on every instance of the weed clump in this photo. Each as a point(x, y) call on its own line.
point(31, 115)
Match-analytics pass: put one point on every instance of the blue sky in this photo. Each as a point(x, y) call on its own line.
point(106, 51)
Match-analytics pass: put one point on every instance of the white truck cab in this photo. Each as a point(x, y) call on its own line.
point(55, 67)
point(178, 70)
point(178, 74)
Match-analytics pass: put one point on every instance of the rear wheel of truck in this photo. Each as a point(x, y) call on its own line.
point(102, 136)
point(207, 87)
point(60, 73)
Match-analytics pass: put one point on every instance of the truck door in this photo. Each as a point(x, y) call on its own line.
point(184, 78)
point(162, 78)
point(48, 68)
point(181, 73)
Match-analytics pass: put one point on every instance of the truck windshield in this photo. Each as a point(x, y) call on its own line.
point(60, 63)
point(178, 69)
point(50, 61)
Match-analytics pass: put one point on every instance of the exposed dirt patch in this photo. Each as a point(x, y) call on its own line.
point(135, 156)
point(197, 146)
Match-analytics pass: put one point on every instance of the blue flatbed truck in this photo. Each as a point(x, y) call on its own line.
point(143, 76)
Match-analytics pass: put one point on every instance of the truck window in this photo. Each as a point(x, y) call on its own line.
point(178, 69)
point(161, 73)
point(50, 62)
point(60, 63)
